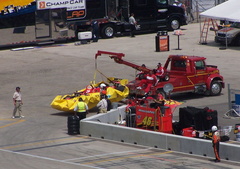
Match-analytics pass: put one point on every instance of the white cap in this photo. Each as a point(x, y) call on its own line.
point(214, 128)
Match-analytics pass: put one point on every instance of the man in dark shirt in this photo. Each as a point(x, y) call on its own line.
point(95, 30)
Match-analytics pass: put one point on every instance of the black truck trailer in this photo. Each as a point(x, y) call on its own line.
point(113, 15)
point(59, 19)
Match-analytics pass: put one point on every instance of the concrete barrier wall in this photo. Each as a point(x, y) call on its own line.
point(102, 126)
point(112, 117)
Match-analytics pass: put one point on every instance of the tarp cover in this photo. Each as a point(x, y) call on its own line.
point(68, 102)
point(228, 10)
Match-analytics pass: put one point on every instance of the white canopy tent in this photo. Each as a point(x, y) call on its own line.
point(229, 10)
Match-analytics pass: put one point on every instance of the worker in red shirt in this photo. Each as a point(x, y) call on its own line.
point(159, 71)
point(150, 81)
point(216, 142)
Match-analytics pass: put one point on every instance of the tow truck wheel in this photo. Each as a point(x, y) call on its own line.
point(107, 31)
point(215, 89)
point(173, 24)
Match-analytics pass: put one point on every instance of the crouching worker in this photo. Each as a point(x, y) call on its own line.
point(81, 109)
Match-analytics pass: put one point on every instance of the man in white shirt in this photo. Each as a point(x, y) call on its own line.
point(17, 101)
point(102, 105)
point(133, 24)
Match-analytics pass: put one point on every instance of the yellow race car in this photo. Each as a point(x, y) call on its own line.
point(116, 90)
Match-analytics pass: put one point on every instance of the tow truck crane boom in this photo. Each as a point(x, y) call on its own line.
point(118, 59)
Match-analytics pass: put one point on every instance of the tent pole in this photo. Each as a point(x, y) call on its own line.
point(226, 35)
point(197, 9)
point(200, 29)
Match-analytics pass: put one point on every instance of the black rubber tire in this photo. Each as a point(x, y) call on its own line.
point(173, 24)
point(73, 126)
point(72, 118)
point(215, 88)
point(73, 132)
point(73, 122)
point(107, 31)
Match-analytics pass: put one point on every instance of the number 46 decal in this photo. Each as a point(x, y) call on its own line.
point(147, 121)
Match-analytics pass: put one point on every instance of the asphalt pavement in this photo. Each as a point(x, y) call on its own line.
point(40, 140)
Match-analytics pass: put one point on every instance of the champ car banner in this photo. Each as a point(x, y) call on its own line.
point(76, 9)
point(69, 4)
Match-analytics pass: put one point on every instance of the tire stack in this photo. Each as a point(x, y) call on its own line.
point(73, 125)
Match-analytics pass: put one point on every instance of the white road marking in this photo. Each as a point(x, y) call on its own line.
point(50, 159)
point(101, 155)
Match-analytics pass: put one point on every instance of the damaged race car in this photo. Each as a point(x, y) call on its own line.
point(115, 89)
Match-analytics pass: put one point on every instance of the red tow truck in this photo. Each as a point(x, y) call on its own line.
point(183, 73)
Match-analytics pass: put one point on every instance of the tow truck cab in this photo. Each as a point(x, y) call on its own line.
point(191, 73)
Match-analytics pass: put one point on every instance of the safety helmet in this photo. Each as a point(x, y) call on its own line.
point(214, 128)
point(102, 85)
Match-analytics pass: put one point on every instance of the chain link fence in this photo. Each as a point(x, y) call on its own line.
point(195, 7)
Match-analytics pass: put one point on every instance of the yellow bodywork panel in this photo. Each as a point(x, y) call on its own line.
point(115, 93)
